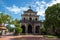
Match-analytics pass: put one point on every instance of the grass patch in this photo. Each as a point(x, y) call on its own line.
point(50, 36)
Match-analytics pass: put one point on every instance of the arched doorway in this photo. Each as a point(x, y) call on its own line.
point(30, 18)
point(23, 27)
point(37, 29)
point(29, 28)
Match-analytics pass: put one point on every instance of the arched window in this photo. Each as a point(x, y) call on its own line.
point(36, 19)
point(24, 18)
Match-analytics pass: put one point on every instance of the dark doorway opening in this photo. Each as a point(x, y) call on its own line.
point(29, 28)
point(36, 19)
point(23, 28)
point(30, 19)
point(24, 18)
point(37, 29)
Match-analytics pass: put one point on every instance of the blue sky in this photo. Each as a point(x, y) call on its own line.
point(16, 7)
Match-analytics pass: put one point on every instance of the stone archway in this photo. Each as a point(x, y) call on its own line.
point(23, 27)
point(29, 28)
point(30, 18)
point(37, 29)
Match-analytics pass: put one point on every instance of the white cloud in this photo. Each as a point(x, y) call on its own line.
point(43, 2)
point(24, 8)
point(37, 2)
point(42, 5)
point(53, 2)
point(39, 6)
point(16, 9)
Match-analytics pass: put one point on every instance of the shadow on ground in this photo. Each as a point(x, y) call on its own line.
point(28, 38)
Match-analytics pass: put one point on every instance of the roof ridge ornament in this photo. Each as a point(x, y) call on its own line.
point(29, 7)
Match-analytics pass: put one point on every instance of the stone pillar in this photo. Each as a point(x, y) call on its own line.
point(26, 29)
point(34, 29)
point(3, 32)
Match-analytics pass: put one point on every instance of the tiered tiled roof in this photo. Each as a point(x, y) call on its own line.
point(2, 27)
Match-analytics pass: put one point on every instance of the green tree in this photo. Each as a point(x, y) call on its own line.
point(4, 18)
point(52, 18)
point(10, 29)
point(43, 31)
point(18, 28)
point(16, 23)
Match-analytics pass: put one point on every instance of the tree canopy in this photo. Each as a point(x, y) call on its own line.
point(4, 18)
point(52, 17)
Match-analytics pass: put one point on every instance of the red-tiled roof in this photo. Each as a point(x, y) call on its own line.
point(3, 27)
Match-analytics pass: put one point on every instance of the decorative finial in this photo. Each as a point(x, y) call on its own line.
point(29, 7)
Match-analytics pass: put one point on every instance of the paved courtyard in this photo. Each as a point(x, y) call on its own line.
point(26, 37)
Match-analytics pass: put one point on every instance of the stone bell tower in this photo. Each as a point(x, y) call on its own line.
point(30, 15)
point(30, 22)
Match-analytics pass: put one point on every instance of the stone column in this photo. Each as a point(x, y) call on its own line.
point(26, 29)
point(2, 32)
point(34, 29)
